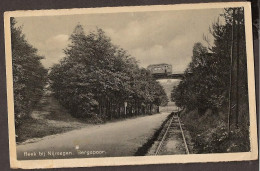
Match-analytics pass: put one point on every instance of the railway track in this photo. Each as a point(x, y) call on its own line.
point(173, 130)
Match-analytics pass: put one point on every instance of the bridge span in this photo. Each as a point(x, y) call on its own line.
point(168, 76)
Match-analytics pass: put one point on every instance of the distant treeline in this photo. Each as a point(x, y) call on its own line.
point(97, 78)
point(216, 80)
point(29, 75)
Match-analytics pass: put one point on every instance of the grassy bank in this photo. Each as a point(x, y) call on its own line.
point(143, 150)
point(209, 132)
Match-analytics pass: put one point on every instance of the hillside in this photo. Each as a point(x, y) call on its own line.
point(168, 86)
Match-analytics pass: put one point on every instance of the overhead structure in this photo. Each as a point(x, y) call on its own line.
point(171, 76)
point(163, 71)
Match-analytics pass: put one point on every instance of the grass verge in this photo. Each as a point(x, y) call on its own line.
point(143, 150)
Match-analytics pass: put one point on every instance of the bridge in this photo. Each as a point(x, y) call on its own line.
point(168, 76)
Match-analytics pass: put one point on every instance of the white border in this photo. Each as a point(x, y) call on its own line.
point(115, 161)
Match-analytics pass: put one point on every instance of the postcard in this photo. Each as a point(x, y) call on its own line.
point(130, 85)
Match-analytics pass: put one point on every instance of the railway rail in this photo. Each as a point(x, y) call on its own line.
point(173, 127)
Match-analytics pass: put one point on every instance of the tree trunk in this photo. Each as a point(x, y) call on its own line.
point(237, 85)
point(118, 112)
point(231, 73)
point(151, 105)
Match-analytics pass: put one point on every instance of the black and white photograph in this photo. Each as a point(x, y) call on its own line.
point(130, 85)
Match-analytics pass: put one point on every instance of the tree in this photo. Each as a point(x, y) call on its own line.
point(194, 91)
point(29, 75)
point(218, 78)
point(233, 34)
point(96, 78)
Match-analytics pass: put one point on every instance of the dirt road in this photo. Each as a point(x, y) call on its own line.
point(122, 138)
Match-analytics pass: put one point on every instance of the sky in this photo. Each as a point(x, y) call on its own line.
point(150, 37)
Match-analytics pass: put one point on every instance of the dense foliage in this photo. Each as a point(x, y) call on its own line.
point(29, 76)
point(216, 79)
point(97, 78)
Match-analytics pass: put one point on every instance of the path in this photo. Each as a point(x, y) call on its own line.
point(122, 138)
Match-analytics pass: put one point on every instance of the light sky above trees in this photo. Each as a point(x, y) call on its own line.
point(151, 37)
